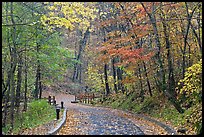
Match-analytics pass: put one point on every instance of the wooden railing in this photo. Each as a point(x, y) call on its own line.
point(86, 97)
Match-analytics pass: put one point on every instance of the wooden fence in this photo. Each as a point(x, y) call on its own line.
point(86, 97)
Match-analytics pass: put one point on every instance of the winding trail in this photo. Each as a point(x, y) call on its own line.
point(90, 120)
point(101, 121)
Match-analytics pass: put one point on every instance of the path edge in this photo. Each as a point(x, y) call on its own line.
point(58, 127)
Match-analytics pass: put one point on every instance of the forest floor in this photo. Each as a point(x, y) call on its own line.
point(90, 120)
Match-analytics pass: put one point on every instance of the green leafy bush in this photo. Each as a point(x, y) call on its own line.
point(191, 85)
point(39, 112)
point(190, 93)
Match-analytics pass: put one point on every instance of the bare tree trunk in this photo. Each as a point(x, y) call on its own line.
point(171, 81)
point(145, 71)
point(189, 17)
point(120, 85)
point(80, 73)
point(12, 85)
point(106, 80)
point(147, 79)
point(158, 57)
point(37, 82)
point(7, 87)
point(77, 71)
point(199, 27)
point(13, 65)
point(18, 88)
point(141, 85)
point(114, 75)
point(5, 108)
point(37, 79)
point(197, 37)
point(81, 49)
point(40, 82)
point(25, 82)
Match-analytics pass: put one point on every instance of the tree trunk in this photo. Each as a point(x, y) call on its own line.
point(199, 27)
point(147, 79)
point(40, 82)
point(106, 80)
point(120, 85)
point(25, 82)
point(37, 75)
point(12, 85)
point(171, 81)
point(197, 37)
point(82, 46)
point(10, 71)
point(80, 73)
point(141, 85)
point(158, 57)
point(189, 17)
point(77, 72)
point(114, 75)
point(175, 103)
point(5, 107)
point(36, 85)
point(18, 88)
point(13, 55)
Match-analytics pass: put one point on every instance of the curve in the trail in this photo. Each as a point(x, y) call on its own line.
point(98, 121)
point(103, 122)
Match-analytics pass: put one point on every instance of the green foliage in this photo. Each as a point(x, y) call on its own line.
point(68, 15)
point(55, 60)
point(192, 83)
point(39, 108)
point(191, 95)
point(115, 104)
point(94, 79)
point(39, 112)
point(194, 119)
point(126, 104)
point(149, 104)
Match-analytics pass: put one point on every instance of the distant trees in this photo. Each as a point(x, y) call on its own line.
point(73, 17)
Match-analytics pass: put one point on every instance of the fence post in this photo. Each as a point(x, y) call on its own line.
point(93, 96)
point(54, 102)
point(81, 98)
point(85, 98)
point(57, 111)
point(49, 100)
point(53, 99)
point(88, 98)
point(62, 103)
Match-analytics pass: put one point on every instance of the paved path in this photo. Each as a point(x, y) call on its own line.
point(98, 120)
